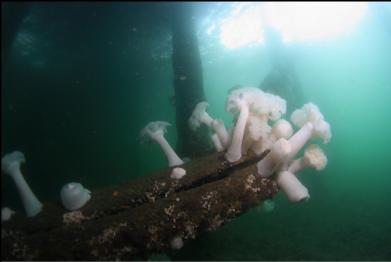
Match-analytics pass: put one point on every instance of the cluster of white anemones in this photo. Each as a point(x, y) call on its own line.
point(259, 127)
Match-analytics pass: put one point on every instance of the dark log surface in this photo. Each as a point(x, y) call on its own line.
point(137, 219)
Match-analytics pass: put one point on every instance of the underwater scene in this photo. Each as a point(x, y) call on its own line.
point(196, 131)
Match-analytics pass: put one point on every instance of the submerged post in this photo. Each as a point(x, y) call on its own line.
point(188, 82)
point(282, 79)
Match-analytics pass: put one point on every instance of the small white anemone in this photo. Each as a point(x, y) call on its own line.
point(200, 116)
point(6, 214)
point(10, 164)
point(255, 108)
point(292, 187)
point(281, 129)
point(74, 196)
point(239, 96)
point(271, 105)
point(313, 157)
point(178, 173)
point(176, 243)
point(255, 133)
point(312, 125)
point(310, 113)
point(155, 131)
point(266, 107)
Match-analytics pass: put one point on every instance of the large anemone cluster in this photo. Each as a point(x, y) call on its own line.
point(259, 126)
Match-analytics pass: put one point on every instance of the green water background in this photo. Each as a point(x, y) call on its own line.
point(76, 103)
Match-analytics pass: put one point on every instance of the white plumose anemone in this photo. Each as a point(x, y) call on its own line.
point(6, 214)
point(176, 243)
point(255, 108)
point(313, 157)
point(292, 187)
point(10, 164)
point(312, 125)
point(74, 196)
point(155, 131)
point(200, 116)
point(275, 158)
point(267, 107)
point(281, 129)
point(217, 143)
point(178, 173)
point(222, 133)
point(239, 101)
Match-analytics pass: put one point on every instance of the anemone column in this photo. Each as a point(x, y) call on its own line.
point(188, 82)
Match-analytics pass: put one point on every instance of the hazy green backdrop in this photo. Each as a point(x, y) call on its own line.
point(84, 78)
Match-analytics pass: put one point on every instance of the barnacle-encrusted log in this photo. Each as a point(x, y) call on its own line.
point(140, 218)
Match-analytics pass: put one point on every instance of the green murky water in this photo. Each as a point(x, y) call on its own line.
point(81, 80)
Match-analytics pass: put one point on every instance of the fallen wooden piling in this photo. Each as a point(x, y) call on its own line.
point(142, 217)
